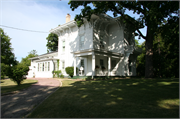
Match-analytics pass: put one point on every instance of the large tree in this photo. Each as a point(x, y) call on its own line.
point(165, 51)
point(25, 61)
point(7, 56)
point(52, 42)
point(151, 14)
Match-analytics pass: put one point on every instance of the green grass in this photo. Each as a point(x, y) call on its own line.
point(120, 98)
point(8, 85)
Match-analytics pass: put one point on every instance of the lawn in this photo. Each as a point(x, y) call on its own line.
point(119, 98)
point(8, 85)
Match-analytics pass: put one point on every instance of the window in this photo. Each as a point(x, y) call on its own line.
point(82, 62)
point(45, 66)
point(38, 66)
point(130, 67)
point(63, 65)
point(42, 66)
point(113, 63)
point(63, 46)
point(101, 44)
point(81, 41)
point(101, 62)
point(48, 66)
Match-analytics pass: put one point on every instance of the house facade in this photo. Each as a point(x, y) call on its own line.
point(101, 47)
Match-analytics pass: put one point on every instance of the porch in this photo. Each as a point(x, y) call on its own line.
point(98, 63)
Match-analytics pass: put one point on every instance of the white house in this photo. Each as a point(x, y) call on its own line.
point(101, 47)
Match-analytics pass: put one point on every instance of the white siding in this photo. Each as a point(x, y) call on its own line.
point(116, 38)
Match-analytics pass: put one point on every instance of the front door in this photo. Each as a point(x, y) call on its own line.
point(82, 68)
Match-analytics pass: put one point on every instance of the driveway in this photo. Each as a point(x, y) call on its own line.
point(20, 104)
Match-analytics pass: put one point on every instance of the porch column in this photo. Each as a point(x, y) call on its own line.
point(93, 65)
point(74, 66)
point(109, 66)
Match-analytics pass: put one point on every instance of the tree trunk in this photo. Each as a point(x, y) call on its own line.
point(149, 54)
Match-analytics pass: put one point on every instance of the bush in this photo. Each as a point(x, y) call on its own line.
point(4, 70)
point(18, 72)
point(58, 74)
point(70, 71)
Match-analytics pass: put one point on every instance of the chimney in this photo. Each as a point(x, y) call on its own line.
point(68, 18)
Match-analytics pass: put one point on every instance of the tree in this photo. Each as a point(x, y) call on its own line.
point(140, 64)
point(17, 72)
point(7, 56)
point(4, 70)
point(151, 14)
point(165, 51)
point(25, 61)
point(52, 42)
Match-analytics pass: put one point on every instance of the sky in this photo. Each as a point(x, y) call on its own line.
point(35, 15)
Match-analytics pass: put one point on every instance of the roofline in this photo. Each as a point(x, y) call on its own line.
point(73, 23)
point(64, 25)
point(43, 54)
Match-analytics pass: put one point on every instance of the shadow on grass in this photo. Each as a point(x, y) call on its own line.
point(119, 98)
point(11, 88)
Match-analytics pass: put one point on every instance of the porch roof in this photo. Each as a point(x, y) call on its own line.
point(97, 52)
point(46, 59)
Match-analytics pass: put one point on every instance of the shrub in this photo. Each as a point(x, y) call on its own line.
point(61, 76)
point(58, 74)
point(70, 71)
point(18, 72)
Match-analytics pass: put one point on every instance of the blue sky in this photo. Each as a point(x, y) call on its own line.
point(35, 15)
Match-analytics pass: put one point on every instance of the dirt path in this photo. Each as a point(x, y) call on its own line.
point(20, 104)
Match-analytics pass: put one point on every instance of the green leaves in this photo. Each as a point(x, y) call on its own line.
point(7, 56)
point(26, 61)
point(17, 72)
point(52, 42)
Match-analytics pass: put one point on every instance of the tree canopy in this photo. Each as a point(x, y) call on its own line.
point(151, 14)
point(52, 42)
point(25, 61)
point(7, 56)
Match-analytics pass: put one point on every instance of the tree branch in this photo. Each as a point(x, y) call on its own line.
point(141, 34)
point(130, 22)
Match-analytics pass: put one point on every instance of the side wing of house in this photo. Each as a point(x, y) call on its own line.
point(43, 65)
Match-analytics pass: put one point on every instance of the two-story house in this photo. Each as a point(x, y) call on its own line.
point(102, 47)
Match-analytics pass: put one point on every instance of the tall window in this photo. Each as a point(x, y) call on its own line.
point(101, 62)
point(63, 46)
point(130, 67)
point(81, 41)
point(63, 65)
point(42, 66)
point(48, 66)
point(82, 62)
point(101, 42)
point(45, 66)
point(38, 66)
